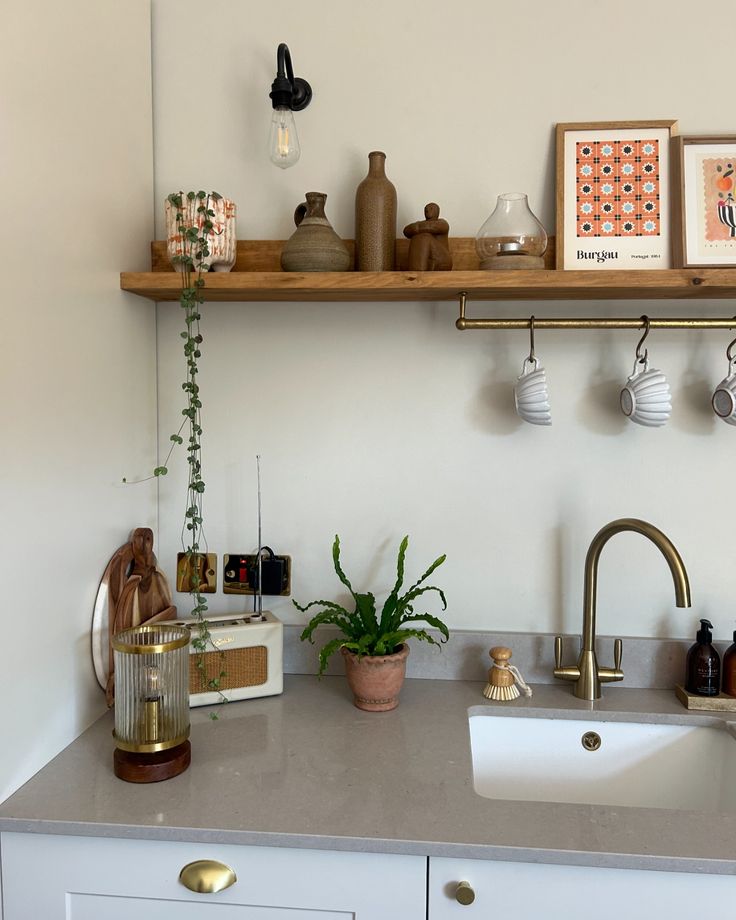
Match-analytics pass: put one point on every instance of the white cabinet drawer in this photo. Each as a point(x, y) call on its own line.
point(87, 878)
point(107, 907)
point(531, 891)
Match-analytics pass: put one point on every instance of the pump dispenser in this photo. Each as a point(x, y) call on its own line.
point(703, 664)
point(729, 669)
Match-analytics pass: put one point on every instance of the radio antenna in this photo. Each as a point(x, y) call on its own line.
point(259, 610)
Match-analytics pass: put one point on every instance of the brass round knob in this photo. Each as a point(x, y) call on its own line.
point(207, 876)
point(464, 893)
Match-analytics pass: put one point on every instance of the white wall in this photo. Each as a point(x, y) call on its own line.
point(375, 420)
point(77, 372)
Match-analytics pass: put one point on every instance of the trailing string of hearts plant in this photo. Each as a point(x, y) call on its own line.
point(195, 228)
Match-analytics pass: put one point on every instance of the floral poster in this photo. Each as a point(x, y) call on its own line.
point(718, 200)
point(709, 182)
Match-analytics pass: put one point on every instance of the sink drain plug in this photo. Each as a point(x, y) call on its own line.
point(591, 741)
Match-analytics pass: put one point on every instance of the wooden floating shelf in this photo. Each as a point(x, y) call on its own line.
point(256, 278)
point(482, 286)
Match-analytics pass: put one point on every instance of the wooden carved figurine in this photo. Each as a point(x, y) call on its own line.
point(138, 592)
point(429, 250)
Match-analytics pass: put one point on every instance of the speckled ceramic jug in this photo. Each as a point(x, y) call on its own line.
point(314, 246)
point(375, 218)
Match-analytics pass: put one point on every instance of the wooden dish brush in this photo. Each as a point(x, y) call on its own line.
point(504, 677)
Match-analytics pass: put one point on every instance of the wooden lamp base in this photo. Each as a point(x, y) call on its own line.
point(135, 767)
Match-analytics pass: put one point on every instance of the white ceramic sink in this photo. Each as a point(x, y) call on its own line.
point(638, 764)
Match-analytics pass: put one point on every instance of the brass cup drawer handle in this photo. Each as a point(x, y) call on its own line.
point(207, 876)
point(464, 894)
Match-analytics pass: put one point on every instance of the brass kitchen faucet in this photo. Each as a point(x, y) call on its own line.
point(587, 674)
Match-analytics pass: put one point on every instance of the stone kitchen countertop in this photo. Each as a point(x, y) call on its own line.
point(307, 769)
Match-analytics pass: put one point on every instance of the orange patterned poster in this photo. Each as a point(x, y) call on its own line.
point(617, 188)
point(613, 191)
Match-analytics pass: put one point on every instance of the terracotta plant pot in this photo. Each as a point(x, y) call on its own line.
point(376, 680)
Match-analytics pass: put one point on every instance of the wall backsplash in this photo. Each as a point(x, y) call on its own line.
point(657, 664)
point(376, 420)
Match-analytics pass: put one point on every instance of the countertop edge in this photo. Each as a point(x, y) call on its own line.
point(535, 855)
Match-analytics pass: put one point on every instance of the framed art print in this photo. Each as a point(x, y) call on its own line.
point(613, 195)
point(704, 175)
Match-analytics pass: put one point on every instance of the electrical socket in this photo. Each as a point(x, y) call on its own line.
point(240, 574)
point(207, 572)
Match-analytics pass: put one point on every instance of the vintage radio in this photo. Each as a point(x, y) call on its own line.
point(248, 649)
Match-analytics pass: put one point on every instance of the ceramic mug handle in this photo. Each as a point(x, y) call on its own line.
point(641, 366)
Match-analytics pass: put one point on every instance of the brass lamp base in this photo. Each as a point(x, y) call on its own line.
point(134, 767)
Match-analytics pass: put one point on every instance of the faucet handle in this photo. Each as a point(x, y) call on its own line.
point(606, 675)
point(558, 652)
point(561, 672)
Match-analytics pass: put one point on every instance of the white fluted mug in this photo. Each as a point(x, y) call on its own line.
point(531, 395)
point(724, 396)
point(646, 399)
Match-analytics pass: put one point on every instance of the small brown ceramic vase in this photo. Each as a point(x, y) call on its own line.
point(376, 680)
point(375, 218)
point(314, 246)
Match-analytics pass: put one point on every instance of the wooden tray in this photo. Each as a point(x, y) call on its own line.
point(720, 703)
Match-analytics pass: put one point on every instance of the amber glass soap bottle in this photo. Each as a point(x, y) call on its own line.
point(729, 669)
point(703, 664)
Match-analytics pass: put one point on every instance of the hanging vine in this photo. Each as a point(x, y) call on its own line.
point(195, 226)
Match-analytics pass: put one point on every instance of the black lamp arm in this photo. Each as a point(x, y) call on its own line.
point(287, 90)
point(283, 60)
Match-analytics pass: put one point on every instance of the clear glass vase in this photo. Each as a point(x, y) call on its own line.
point(512, 237)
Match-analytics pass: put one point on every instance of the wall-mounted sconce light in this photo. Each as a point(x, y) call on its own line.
point(289, 94)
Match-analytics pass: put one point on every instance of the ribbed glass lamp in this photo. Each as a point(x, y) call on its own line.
point(151, 702)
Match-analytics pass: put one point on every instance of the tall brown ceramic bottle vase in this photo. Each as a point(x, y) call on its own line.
point(375, 218)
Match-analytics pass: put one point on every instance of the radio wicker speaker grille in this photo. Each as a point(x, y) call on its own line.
point(244, 667)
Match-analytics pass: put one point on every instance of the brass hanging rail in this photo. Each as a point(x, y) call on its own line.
point(634, 322)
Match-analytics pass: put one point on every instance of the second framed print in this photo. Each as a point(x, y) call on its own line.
point(704, 173)
point(613, 195)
